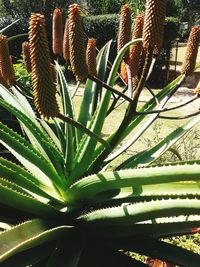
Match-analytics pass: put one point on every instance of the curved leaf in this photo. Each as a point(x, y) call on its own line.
point(28, 235)
point(82, 156)
point(16, 174)
point(158, 250)
point(29, 157)
point(157, 151)
point(129, 214)
point(12, 197)
point(149, 181)
point(37, 136)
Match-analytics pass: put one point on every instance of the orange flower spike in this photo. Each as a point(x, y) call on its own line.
point(91, 57)
point(7, 70)
point(192, 51)
point(57, 33)
point(66, 41)
point(44, 89)
point(26, 56)
point(124, 28)
point(76, 43)
point(135, 50)
point(154, 24)
point(123, 71)
point(11, 81)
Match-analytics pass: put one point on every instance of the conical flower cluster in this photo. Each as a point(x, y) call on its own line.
point(135, 50)
point(76, 43)
point(57, 33)
point(6, 66)
point(66, 41)
point(26, 56)
point(192, 51)
point(44, 89)
point(91, 57)
point(124, 28)
point(154, 23)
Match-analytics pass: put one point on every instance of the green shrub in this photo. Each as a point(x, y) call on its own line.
point(99, 7)
point(101, 27)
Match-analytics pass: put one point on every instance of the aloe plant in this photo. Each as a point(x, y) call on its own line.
point(59, 204)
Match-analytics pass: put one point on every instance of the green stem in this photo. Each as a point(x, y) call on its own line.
point(108, 87)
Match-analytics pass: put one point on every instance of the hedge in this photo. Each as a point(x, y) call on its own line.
point(103, 28)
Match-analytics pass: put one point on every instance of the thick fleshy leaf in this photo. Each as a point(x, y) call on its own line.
point(66, 253)
point(28, 235)
point(142, 182)
point(100, 254)
point(13, 196)
point(29, 157)
point(37, 137)
point(157, 250)
point(9, 26)
point(83, 158)
point(29, 257)
point(86, 110)
point(16, 174)
point(129, 214)
point(68, 135)
point(151, 104)
point(155, 152)
point(160, 228)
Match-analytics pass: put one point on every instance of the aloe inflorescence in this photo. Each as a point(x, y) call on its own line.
point(6, 66)
point(76, 43)
point(44, 89)
point(91, 57)
point(192, 51)
point(124, 28)
point(154, 24)
point(66, 55)
point(135, 50)
point(26, 56)
point(57, 32)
